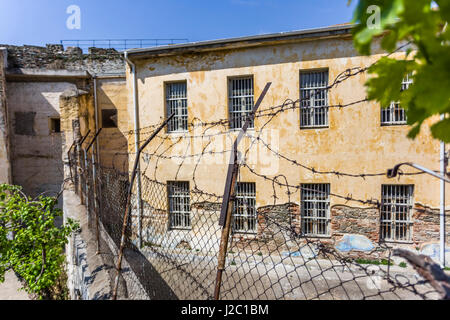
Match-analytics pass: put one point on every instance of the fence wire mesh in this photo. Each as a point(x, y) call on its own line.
point(275, 262)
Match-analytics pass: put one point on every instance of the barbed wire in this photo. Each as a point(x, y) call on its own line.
point(180, 240)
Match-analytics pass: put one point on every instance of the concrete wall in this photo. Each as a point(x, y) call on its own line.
point(355, 142)
point(5, 165)
point(113, 142)
point(36, 152)
point(35, 78)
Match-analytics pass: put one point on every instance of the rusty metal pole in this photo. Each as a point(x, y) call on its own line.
point(96, 206)
point(95, 194)
point(226, 230)
point(227, 204)
point(86, 183)
point(70, 160)
point(80, 168)
point(127, 209)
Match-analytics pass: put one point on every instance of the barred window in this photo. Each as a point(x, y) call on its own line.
point(176, 102)
point(315, 209)
point(179, 205)
point(313, 99)
point(395, 114)
point(241, 101)
point(244, 210)
point(395, 212)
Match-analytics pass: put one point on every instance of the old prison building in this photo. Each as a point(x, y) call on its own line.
point(312, 165)
point(314, 159)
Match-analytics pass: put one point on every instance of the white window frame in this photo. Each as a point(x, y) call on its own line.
point(396, 199)
point(179, 205)
point(177, 101)
point(241, 101)
point(314, 99)
point(244, 209)
point(315, 209)
point(395, 114)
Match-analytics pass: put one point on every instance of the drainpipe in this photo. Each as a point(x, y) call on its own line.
point(97, 126)
point(97, 151)
point(443, 163)
point(136, 142)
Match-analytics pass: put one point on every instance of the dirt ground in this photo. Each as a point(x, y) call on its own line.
point(9, 290)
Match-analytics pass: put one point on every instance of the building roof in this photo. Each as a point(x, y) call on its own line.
point(244, 42)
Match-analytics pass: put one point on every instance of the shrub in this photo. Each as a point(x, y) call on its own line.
point(30, 243)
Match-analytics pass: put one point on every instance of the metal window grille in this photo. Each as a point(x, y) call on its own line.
point(179, 205)
point(395, 114)
point(241, 101)
point(176, 102)
point(315, 209)
point(244, 210)
point(314, 99)
point(395, 212)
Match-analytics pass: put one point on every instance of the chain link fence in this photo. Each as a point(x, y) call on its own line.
point(177, 258)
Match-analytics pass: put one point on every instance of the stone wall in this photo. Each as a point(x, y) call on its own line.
point(348, 220)
point(426, 228)
point(54, 57)
point(354, 232)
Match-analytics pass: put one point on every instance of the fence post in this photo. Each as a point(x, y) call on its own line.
point(95, 194)
point(81, 168)
point(230, 186)
point(127, 209)
point(227, 205)
point(86, 175)
point(86, 184)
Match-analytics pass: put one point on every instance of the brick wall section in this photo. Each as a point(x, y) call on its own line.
point(277, 224)
point(277, 221)
point(426, 226)
point(54, 57)
point(348, 220)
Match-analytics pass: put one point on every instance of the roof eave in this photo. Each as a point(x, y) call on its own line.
point(242, 42)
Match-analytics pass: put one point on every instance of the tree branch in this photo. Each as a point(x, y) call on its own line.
point(429, 270)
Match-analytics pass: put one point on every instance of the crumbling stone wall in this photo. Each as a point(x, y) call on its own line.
point(354, 232)
point(426, 226)
point(363, 221)
point(54, 57)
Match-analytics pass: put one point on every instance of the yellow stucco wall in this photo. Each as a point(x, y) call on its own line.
point(355, 142)
point(113, 143)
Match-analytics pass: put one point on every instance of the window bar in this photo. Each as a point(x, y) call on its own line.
point(244, 213)
point(177, 103)
point(179, 205)
point(395, 212)
point(315, 204)
point(314, 99)
point(241, 101)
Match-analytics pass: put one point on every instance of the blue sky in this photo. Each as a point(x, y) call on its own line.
point(38, 22)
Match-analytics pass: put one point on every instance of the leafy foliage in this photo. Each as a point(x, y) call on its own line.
point(30, 243)
point(423, 24)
